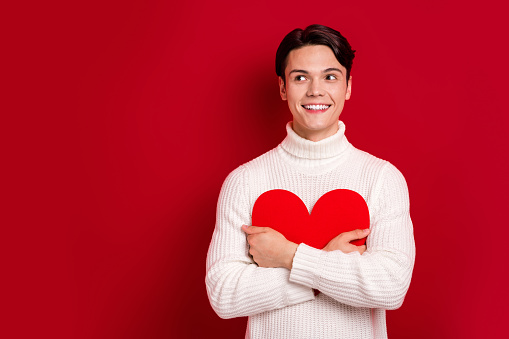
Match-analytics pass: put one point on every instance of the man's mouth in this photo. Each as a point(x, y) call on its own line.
point(316, 108)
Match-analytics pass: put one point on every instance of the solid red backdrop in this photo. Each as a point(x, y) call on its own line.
point(123, 119)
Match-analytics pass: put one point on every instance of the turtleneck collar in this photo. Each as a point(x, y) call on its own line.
point(330, 147)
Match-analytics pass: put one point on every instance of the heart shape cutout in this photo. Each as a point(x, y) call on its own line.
point(337, 211)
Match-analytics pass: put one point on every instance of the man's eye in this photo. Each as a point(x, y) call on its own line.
point(331, 77)
point(300, 78)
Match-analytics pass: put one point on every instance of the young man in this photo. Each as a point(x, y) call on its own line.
point(255, 271)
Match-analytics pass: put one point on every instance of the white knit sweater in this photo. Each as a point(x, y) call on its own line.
point(355, 289)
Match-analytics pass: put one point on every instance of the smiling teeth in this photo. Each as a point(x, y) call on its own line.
point(316, 107)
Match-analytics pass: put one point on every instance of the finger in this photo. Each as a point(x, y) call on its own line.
point(253, 229)
point(361, 249)
point(356, 234)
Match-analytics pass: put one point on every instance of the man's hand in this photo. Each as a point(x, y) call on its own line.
point(269, 248)
point(342, 242)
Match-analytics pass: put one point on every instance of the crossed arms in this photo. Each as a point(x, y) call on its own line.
point(287, 273)
point(269, 248)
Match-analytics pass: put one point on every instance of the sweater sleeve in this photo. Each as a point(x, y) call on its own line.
point(380, 277)
point(236, 286)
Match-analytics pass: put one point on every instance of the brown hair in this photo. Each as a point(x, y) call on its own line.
point(315, 35)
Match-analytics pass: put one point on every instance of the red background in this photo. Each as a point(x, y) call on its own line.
point(121, 120)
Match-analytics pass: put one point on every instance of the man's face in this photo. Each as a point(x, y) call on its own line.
point(316, 90)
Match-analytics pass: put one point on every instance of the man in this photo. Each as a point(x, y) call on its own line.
point(255, 271)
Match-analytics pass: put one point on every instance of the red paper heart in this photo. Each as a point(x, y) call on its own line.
point(337, 211)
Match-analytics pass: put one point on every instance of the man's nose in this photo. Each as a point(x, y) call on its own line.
point(314, 89)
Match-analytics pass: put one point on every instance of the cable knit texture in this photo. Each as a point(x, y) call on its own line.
point(355, 289)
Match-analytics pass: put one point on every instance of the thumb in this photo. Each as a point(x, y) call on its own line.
point(356, 234)
point(253, 229)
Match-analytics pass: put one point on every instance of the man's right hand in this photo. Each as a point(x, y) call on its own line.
point(342, 242)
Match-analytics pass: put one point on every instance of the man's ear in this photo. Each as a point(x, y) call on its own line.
point(349, 89)
point(282, 88)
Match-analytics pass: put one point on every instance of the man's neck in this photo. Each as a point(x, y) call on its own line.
point(315, 135)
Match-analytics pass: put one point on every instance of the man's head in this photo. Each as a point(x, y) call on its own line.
point(315, 35)
point(314, 77)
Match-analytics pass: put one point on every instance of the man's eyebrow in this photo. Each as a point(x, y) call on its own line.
point(298, 71)
point(332, 69)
